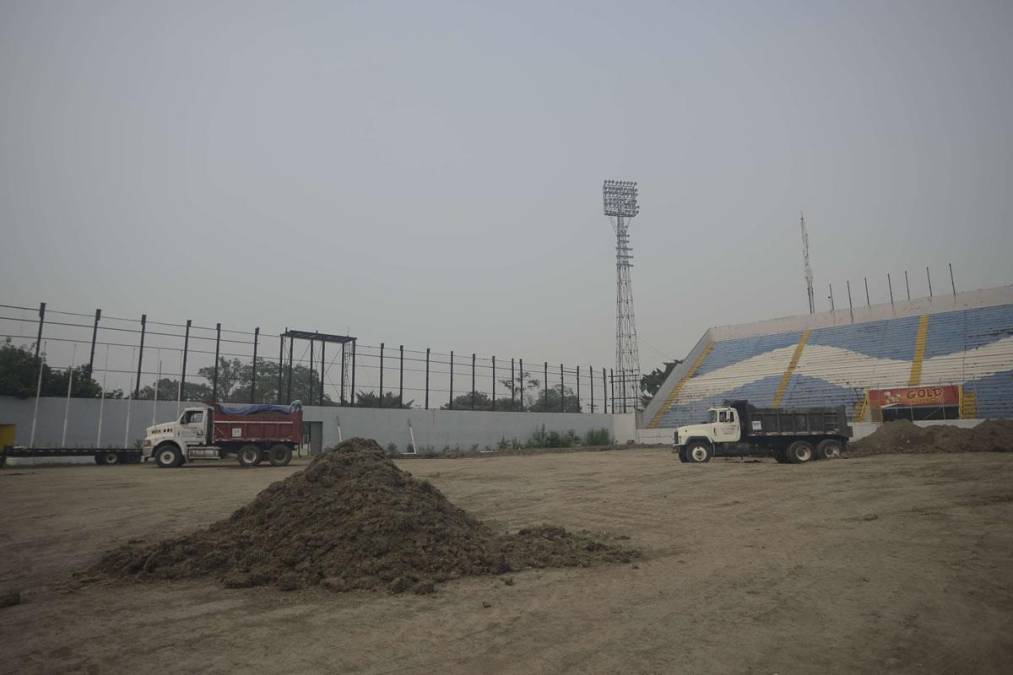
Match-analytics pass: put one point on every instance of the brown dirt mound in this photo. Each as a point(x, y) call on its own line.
point(903, 437)
point(353, 520)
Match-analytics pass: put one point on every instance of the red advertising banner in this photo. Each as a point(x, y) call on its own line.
point(911, 397)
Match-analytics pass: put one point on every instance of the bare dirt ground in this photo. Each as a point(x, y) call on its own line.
point(890, 563)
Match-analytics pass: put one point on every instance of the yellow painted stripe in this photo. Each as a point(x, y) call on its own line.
point(674, 394)
point(786, 378)
point(861, 408)
point(916, 362)
point(969, 405)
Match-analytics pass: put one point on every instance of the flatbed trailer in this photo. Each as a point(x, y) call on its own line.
point(102, 456)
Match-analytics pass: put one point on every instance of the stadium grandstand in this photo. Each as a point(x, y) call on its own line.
point(931, 358)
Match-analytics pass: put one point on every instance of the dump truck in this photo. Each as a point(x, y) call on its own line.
point(252, 433)
point(789, 435)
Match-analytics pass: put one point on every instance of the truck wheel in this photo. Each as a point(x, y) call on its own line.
point(829, 448)
point(682, 455)
point(800, 452)
point(698, 452)
point(280, 455)
point(779, 456)
point(108, 458)
point(249, 455)
point(168, 457)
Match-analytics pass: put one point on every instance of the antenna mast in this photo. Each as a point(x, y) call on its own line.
point(620, 198)
point(808, 268)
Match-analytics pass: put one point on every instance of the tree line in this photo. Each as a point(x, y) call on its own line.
point(19, 373)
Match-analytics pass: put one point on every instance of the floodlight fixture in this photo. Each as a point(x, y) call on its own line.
point(620, 198)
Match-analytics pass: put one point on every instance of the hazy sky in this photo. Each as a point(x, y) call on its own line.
point(430, 172)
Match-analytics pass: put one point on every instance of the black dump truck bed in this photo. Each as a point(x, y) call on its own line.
point(819, 421)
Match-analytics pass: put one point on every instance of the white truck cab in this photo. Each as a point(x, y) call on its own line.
point(190, 429)
point(723, 427)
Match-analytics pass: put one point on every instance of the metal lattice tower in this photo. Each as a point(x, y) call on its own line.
point(620, 199)
point(808, 269)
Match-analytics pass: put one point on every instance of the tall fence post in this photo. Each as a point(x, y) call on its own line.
point(953, 284)
point(381, 375)
point(102, 400)
point(451, 406)
point(545, 388)
point(38, 394)
point(341, 396)
point(889, 283)
point(400, 383)
point(604, 393)
point(291, 354)
point(622, 379)
point(427, 378)
point(42, 321)
point(140, 355)
point(354, 343)
point(590, 376)
point(186, 353)
point(311, 383)
point(323, 352)
point(868, 302)
point(907, 285)
point(472, 381)
point(562, 391)
point(612, 386)
point(851, 307)
point(494, 382)
point(218, 345)
point(928, 275)
point(94, 337)
point(70, 386)
point(513, 387)
point(253, 373)
point(521, 376)
point(832, 308)
point(577, 369)
point(281, 363)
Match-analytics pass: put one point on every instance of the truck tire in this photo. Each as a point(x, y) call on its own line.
point(682, 455)
point(781, 455)
point(107, 458)
point(249, 455)
point(168, 457)
point(698, 452)
point(829, 448)
point(279, 455)
point(800, 452)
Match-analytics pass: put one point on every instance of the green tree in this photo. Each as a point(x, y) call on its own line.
point(652, 381)
point(235, 382)
point(369, 399)
point(19, 373)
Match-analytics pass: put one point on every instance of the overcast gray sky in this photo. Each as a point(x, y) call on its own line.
point(430, 172)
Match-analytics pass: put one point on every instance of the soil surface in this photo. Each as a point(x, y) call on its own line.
point(904, 437)
point(352, 520)
point(880, 564)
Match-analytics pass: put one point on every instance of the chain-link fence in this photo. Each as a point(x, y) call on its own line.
point(53, 352)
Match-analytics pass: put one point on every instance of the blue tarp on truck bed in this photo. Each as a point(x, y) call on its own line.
point(254, 408)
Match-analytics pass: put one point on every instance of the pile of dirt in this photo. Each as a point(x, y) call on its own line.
point(353, 520)
point(905, 437)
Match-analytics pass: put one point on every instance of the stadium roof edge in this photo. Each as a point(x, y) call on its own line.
point(987, 297)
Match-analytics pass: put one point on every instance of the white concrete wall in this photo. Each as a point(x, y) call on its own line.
point(433, 428)
point(660, 436)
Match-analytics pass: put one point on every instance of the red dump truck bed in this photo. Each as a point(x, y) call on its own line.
point(261, 427)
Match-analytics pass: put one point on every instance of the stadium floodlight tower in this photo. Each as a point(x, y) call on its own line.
point(620, 197)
